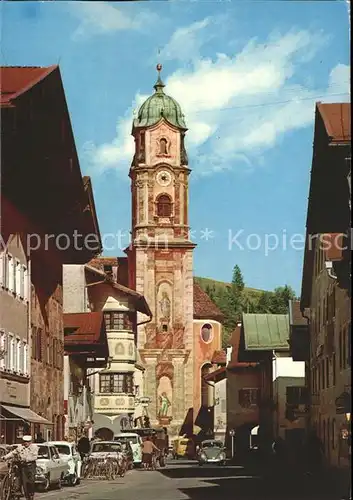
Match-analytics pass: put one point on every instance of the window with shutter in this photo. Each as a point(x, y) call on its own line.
point(334, 369)
point(164, 206)
point(39, 352)
point(9, 273)
point(25, 358)
point(25, 283)
point(17, 277)
point(18, 355)
point(349, 345)
point(296, 395)
point(248, 397)
point(2, 266)
point(107, 319)
point(118, 321)
point(3, 349)
point(22, 288)
point(12, 349)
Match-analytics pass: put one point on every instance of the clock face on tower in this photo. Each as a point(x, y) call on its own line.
point(164, 178)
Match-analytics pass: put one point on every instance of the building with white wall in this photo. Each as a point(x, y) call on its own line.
point(112, 388)
point(290, 398)
point(14, 339)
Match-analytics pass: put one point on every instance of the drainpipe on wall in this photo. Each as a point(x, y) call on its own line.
point(29, 318)
point(277, 402)
point(329, 269)
point(144, 322)
point(309, 373)
point(96, 283)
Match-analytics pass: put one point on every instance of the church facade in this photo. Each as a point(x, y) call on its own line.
point(176, 347)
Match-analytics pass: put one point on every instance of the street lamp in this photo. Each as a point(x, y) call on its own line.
point(232, 434)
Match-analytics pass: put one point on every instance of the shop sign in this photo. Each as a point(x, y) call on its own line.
point(11, 390)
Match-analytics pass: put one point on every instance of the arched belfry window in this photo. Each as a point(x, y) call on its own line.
point(164, 206)
point(163, 146)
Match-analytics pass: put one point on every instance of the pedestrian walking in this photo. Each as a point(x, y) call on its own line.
point(83, 445)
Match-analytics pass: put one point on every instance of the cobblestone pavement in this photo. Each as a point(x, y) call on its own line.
point(187, 481)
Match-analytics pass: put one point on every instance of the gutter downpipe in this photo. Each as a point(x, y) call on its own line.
point(29, 339)
point(277, 395)
point(144, 322)
point(309, 372)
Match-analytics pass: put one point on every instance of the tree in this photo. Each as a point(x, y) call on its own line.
point(235, 299)
point(236, 294)
point(237, 281)
point(276, 302)
point(280, 299)
point(264, 303)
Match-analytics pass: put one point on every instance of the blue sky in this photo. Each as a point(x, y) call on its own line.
point(247, 75)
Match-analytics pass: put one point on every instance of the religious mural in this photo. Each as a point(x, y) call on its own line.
point(164, 302)
point(165, 398)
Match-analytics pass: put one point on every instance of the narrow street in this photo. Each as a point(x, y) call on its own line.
point(188, 481)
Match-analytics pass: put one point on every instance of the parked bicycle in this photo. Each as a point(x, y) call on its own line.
point(11, 487)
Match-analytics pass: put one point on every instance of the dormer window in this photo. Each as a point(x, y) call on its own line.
point(164, 206)
point(163, 147)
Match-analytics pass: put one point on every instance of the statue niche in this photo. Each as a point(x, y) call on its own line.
point(164, 377)
point(162, 147)
point(164, 335)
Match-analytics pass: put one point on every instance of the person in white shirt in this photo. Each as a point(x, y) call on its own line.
point(26, 455)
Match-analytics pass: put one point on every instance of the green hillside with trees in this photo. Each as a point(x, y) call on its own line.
point(234, 298)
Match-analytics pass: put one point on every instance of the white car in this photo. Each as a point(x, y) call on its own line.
point(69, 454)
point(136, 444)
point(51, 468)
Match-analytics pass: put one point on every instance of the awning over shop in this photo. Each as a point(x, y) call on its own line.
point(27, 415)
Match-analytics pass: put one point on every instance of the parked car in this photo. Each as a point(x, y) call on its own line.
point(69, 454)
point(180, 447)
point(105, 449)
point(51, 468)
point(211, 452)
point(135, 442)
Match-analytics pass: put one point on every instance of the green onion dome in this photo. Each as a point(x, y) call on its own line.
point(159, 105)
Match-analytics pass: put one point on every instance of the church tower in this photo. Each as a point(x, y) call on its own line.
point(161, 257)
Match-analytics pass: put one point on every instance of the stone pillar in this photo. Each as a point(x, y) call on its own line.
point(150, 387)
point(179, 410)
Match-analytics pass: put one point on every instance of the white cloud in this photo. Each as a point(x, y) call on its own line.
point(238, 107)
point(103, 18)
point(186, 42)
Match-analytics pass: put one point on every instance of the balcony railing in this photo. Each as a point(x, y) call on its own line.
point(112, 403)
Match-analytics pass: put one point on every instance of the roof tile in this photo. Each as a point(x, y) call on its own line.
point(204, 307)
point(219, 358)
point(88, 327)
point(234, 360)
point(337, 120)
point(18, 79)
point(295, 316)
